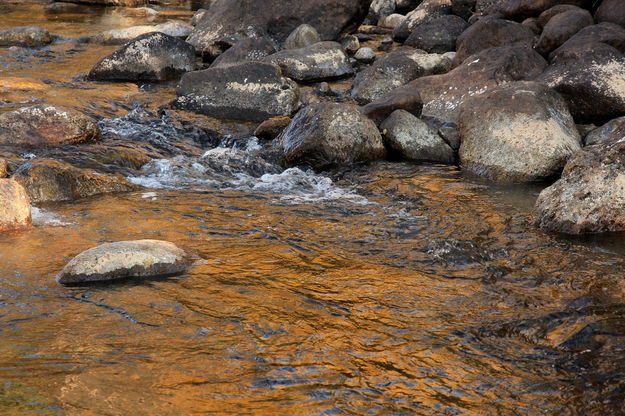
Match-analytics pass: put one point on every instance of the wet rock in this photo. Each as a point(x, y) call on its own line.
point(247, 50)
point(396, 69)
point(304, 35)
point(14, 206)
point(126, 259)
point(590, 195)
point(521, 9)
point(491, 32)
point(458, 252)
point(26, 36)
point(392, 21)
point(519, 132)
point(605, 132)
point(321, 61)
point(426, 11)
point(438, 35)
point(412, 139)
point(611, 11)
point(226, 22)
point(561, 28)
point(399, 99)
point(47, 180)
point(175, 28)
point(365, 55)
point(4, 168)
point(271, 128)
point(327, 134)
point(350, 44)
point(46, 125)
point(151, 57)
point(248, 91)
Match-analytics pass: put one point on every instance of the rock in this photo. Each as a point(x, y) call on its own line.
point(561, 28)
point(606, 39)
point(438, 35)
point(533, 24)
point(396, 69)
point(319, 62)
point(46, 125)
point(392, 21)
point(605, 132)
point(197, 16)
point(449, 132)
point(463, 8)
point(123, 3)
point(412, 139)
point(521, 9)
point(4, 168)
point(491, 32)
point(126, 259)
point(426, 11)
point(519, 132)
point(14, 206)
point(248, 91)
point(546, 16)
point(379, 10)
point(26, 36)
point(325, 135)
point(271, 128)
point(611, 11)
point(304, 35)
point(151, 57)
point(247, 50)
point(399, 99)
point(366, 55)
point(47, 180)
point(226, 22)
point(590, 195)
point(175, 28)
point(350, 44)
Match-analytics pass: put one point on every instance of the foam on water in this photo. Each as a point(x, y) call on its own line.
point(42, 217)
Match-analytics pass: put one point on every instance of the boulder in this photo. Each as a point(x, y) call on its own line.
point(399, 99)
point(521, 9)
point(365, 55)
point(611, 11)
point(561, 28)
point(379, 10)
point(519, 132)
point(197, 16)
point(14, 206)
point(438, 35)
point(46, 125)
point(392, 21)
point(247, 50)
point(546, 16)
point(126, 259)
point(271, 128)
point(47, 180)
point(303, 35)
point(396, 69)
point(175, 28)
point(412, 139)
point(151, 57)
point(4, 168)
point(227, 21)
point(605, 132)
point(491, 32)
point(249, 91)
point(25, 36)
point(326, 135)
point(426, 11)
point(318, 62)
point(605, 39)
point(590, 195)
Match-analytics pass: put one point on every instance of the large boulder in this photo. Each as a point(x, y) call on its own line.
point(426, 11)
point(228, 21)
point(176, 28)
point(396, 69)
point(561, 28)
point(318, 62)
point(14, 206)
point(326, 135)
point(521, 9)
point(399, 99)
point(49, 180)
point(46, 125)
point(250, 91)
point(26, 36)
point(519, 132)
point(151, 57)
point(247, 50)
point(412, 139)
point(126, 259)
point(611, 11)
point(438, 35)
point(603, 39)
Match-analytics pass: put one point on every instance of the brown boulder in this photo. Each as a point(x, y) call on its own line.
point(561, 28)
point(14, 206)
point(612, 11)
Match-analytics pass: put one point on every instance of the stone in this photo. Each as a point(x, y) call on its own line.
point(438, 35)
point(198, 16)
point(605, 39)
point(303, 35)
point(392, 21)
point(175, 28)
point(518, 132)
point(366, 55)
point(561, 28)
point(350, 44)
point(247, 50)
point(533, 24)
point(611, 11)
point(25, 36)
point(126, 259)
point(327, 135)
point(394, 70)
point(399, 99)
point(546, 16)
point(4, 168)
point(379, 10)
point(47, 180)
point(605, 132)
point(152, 57)
point(319, 62)
point(412, 139)
point(271, 128)
point(251, 91)
point(14, 206)
point(521, 9)
point(426, 11)
point(46, 125)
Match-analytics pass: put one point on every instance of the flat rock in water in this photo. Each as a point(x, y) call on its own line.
point(14, 206)
point(27, 36)
point(126, 259)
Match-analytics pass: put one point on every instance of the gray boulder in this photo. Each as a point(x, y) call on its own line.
point(175, 28)
point(303, 35)
point(438, 35)
point(247, 50)
point(611, 11)
point(605, 132)
point(26, 36)
point(126, 259)
point(14, 206)
point(318, 62)
point(251, 91)
point(365, 55)
point(426, 11)
point(399, 99)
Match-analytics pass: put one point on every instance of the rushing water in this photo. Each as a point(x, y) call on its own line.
point(386, 289)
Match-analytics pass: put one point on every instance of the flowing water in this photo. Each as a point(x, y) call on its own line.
point(386, 289)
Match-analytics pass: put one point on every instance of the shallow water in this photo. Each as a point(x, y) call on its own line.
point(389, 289)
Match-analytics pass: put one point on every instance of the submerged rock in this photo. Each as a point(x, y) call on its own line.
point(151, 57)
point(27, 36)
point(46, 125)
point(318, 62)
point(126, 259)
point(14, 206)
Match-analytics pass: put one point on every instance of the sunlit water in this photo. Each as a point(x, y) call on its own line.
point(386, 289)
